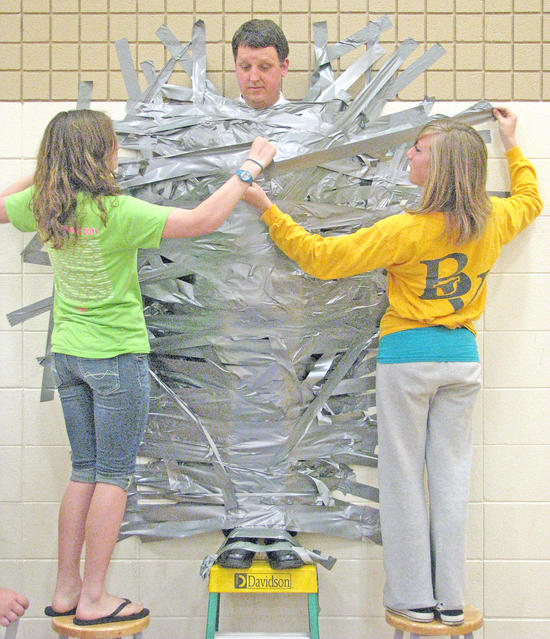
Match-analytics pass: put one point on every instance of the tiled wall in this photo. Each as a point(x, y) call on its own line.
point(496, 49)
point(492, 53)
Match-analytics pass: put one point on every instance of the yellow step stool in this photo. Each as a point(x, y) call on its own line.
point(260, 578)
point(473, 620)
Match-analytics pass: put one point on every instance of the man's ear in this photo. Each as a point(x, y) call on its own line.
point(284, 67)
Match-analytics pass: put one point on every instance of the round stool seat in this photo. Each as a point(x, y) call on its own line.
point(473, 620)
point(65, 627)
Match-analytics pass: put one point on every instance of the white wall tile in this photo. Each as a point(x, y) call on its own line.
point(35, 117)
point(10, 256)
point(11, 371)
point(11, 427)
point(517, 302)
point(10, 289)
point(34, 347)
point(517, 589)
point(10, 533)
point(37, 287)
point(517, 531)
point(46, 472)
point(514, 629)
point(516, 416)
point(517, 360)
point(40, 530)
point(528, 252)
point(44, 422)
point(11, 140)
point(11, 475)
point(517, 473)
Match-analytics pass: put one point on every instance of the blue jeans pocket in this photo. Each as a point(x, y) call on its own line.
point(101, 375)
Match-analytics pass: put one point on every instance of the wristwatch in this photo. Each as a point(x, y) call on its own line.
point(245, 176)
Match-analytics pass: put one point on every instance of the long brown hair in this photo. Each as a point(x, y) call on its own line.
point(75, 156)
point(456, 180)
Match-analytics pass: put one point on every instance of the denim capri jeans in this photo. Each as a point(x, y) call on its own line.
point(105, 403)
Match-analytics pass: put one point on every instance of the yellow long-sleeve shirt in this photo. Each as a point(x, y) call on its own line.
point(431, 282)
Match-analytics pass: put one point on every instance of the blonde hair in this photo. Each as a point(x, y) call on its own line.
point(75, 156)
point(456, 180)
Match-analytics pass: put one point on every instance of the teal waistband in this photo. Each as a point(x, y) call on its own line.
point(431, 344)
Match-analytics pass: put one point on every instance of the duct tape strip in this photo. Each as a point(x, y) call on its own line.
point(32, 310)
point(47, 391)
point(368, 34)
point(84, 94)
point(376, 86)
point(128, 73)
point(230, 498)
point(176, 49)
point(198, 48)
point(33, 253)
point(303, 424)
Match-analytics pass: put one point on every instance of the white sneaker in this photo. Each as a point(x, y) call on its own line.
point(451, 617)
point(423, 615)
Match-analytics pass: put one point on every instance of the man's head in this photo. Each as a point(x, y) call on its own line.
point(260, 50)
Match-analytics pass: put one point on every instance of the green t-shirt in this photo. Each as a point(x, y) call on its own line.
point(98, 310)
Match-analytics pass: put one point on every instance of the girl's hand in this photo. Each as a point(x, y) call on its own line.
point(507, 121)
point(256, 196)
point(262, 151)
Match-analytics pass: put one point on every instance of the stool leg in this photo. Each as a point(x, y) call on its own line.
point(138, 635)
point(212, 616)
point(415, 636)
point(313, 609)
point(398, 634)
point(469, 635)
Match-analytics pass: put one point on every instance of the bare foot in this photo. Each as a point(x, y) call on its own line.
point(104, 607)
point(12, 606)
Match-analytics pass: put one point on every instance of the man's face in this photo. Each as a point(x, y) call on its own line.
point(259, 73)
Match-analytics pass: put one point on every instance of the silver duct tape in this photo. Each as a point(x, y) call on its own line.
point(30, 311)
point(84, 94)
point(128, 70)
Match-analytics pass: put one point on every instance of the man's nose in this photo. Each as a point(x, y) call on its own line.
point(254, 74)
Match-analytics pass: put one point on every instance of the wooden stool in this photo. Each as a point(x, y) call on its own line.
point(473, 620)
point(65, 627)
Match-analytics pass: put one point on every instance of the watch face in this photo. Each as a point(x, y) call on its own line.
point(245, 175)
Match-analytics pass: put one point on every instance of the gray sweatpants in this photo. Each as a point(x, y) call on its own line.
point(424, 420)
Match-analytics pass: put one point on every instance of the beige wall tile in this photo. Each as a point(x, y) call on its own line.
point(100, 83)
point(526, 27)
point(440, 83)
point(296, 27)
point(94, 28)
point(498, 85)
point(322, 6)
point(291, 6)
point(64, 85)
point(10, 6)
point(123, 26)
point(527, 251)
point(469, 28)
point(207, 6)
point(65, 28)
point(182, 26)
point(469, 56)
point(470, 6)
point(527, 5)
point(36, 6)
point(498, 56)
point(498, 28)
point(440, 28)
point(94, 56)
point(498, 6)
point(11, 85)
point(64, 56)
point(65, 6)
point(10, 56)
point(36, 28)
point(411, 25)
point(382, 6)
point(350, 6)
point(526, 86)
